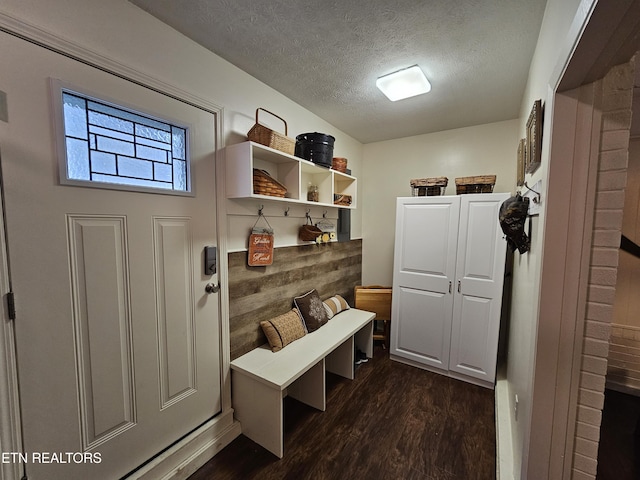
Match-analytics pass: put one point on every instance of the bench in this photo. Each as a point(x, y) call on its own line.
point(260, 379)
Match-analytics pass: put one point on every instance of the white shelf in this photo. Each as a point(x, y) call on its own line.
point(292, 172)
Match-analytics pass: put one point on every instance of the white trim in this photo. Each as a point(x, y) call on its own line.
point(192, 452)
point(171, 462)
point(10, 423)
point(504, 440)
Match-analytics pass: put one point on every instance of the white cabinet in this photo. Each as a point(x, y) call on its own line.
point(447, 284)
point(296, 174)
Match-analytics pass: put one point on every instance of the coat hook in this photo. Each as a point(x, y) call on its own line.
point(537, 197)
point(286, 212)
point(260, 208)
point(324, 215)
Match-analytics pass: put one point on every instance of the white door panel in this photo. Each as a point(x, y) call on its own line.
point(480, 273)
point(424, 266)
point(424, 332)
point(118, 344)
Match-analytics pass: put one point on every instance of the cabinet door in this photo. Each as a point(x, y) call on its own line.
point(479, 280)
point(424, 265)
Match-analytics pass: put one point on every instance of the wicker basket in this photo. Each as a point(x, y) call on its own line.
point(265, 184)
point(342, 200)
point(433, 186)
point(265, 136)
point(478, 184)
point(339, 164)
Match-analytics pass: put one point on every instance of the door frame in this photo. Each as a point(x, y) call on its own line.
point(191, 452)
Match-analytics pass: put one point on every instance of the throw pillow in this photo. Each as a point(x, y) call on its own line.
point(283, 329)
point(335, 305)
point(311, 310)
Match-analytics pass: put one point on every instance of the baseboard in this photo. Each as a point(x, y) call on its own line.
point(192, 452)
point(504, 441)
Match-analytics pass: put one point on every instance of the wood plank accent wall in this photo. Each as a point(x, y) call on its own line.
point(261, 293)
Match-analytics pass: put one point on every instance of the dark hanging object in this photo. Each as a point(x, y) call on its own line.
point(513, 213)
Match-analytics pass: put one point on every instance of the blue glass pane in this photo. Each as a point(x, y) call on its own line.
point(111, 133)
point(116, 112)
point(103, 162)
point(178, 136)
point(92, 142)
point(153, 143)
point(115, 146)
point(131, 181)
point(77, 159)
point(163, 172)
point(180, 175)
point(112, 123)
point(151, 153)
point(132, 167)
point(153, 133)
point(75, 116)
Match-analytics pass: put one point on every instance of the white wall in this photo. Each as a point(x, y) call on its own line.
point(555, 43)
point(126, 34)
point(390, 165)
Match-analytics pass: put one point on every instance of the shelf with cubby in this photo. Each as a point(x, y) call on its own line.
point(293, 173)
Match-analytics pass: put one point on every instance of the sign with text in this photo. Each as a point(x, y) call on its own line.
point(260, 249)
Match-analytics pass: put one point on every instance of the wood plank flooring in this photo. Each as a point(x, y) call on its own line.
point(392, 422)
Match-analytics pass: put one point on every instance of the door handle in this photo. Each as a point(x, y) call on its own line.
point(449, 286)
point(458, 286)
point(212, 288)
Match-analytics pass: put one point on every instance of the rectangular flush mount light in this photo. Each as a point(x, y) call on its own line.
point(404, 83)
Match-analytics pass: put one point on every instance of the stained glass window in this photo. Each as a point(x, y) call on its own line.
point(113, 145)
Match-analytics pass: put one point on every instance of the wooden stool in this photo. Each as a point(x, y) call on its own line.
point(377, 299)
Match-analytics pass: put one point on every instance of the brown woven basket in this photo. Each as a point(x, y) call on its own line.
point(308, 233)
point(339, 164)
point(265, 136)
point(478, 184)
point(342, 199)
point(265, 184)
point(433, 186)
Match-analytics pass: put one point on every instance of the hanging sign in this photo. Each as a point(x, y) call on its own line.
point(260, 249)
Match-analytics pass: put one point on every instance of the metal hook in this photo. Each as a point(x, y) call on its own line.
point(537, 198)
point(286, 212)
point(260, 208)
point(324, 215)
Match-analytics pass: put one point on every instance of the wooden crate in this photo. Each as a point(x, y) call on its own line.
point(377, 299)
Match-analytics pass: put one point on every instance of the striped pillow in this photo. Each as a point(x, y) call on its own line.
point(335, 305)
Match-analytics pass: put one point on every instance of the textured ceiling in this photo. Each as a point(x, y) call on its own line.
point(326, 55)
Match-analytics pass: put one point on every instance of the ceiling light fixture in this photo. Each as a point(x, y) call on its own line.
point(404, 83)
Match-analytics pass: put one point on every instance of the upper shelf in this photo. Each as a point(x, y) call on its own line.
point(295, 174)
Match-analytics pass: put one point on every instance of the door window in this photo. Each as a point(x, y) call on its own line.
point(107, 145)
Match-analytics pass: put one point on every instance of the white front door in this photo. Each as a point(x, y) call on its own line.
point(118, 343)
point(424, 267)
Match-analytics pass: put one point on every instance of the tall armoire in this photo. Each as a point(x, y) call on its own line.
point(448, 276)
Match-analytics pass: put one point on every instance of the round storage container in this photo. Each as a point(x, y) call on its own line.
point(316, 147)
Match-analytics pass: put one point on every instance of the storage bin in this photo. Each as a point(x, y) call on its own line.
point(434, 186)
point(477, 184)
point(270, 138)
point(315, 147)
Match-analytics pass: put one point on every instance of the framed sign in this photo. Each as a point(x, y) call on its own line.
point(522, 148)
point(260, 249)
point(533, 154)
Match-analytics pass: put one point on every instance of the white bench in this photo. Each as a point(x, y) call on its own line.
point(262, 378)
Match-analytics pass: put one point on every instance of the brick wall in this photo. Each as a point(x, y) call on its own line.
point(617, 95)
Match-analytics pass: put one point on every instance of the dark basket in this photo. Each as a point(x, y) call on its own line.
point(308, 233)
point(428, 187)
point(477, 184)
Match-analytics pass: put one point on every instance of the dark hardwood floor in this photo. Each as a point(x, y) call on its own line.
point(392, 422)
point(619, 449)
